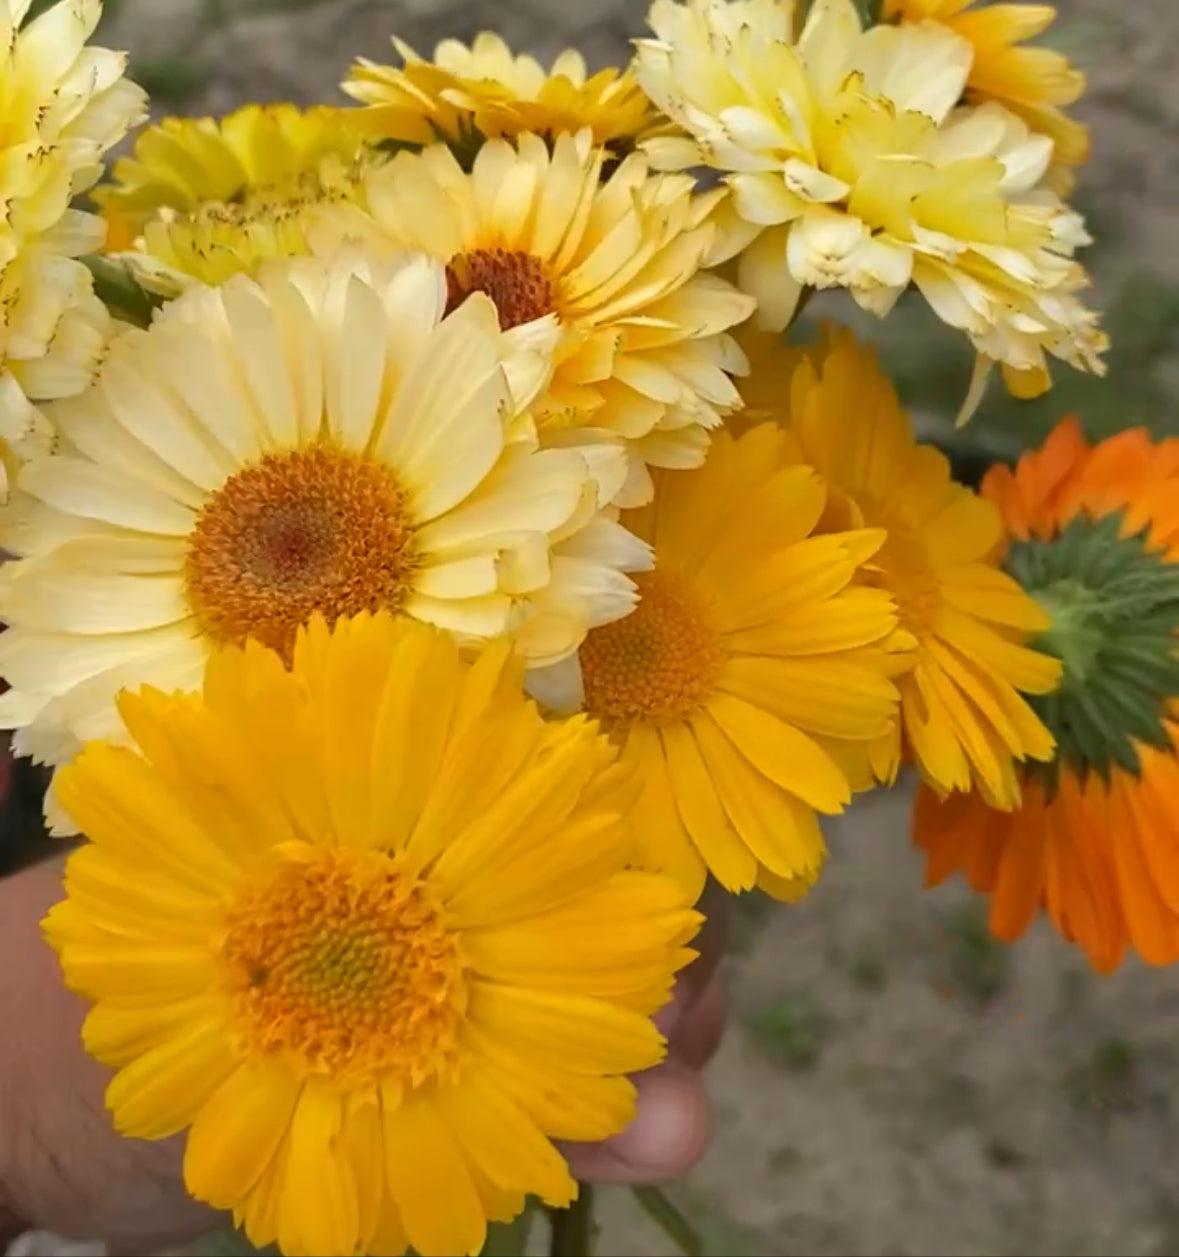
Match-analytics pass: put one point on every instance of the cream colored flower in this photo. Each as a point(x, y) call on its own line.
point(850, 165)
point(322, 440)
point(63, 104)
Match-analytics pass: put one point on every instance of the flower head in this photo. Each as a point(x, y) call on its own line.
point(643, 355)
point(468, 94)
point(63, 104)
point(751, 658)
point(205, 198)
point(365, 930)
point(850, 166)
point(1092, 533)
point(321, 440)
point(1035, 83)
point(962, 715)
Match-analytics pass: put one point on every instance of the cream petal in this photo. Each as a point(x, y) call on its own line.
point(445, 428)
point(83, 488)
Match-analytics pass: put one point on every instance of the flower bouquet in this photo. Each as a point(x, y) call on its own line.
point(437, 552)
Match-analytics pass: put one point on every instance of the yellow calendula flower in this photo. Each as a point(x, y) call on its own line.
point(643, 356)
point(467, 94)
point(365, 930)
point(962, 718)
point(63, 104)
point(321, 440)
point(850, 166)
point(751, 659)
point(1036, 83)
point(206, 198)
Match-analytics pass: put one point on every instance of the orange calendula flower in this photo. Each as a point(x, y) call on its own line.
point(1093, 536)
point(1035, 83)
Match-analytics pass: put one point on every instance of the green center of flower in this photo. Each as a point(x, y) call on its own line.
point(1114, 603)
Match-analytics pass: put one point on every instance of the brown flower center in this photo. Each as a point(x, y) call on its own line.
point(299, 532)
point(516, 281)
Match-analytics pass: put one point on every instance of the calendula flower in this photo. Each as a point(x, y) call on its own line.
point(963, 717)
point(750, 653)
point(322, 440)
point(643, 356)
point(1092, 533)
point(205, 198)
point(850, 167)
point(1035, 83)
point(365, 930)
point(468, 94)
point(63, 104)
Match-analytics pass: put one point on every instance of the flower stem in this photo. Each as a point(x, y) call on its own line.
point(572, 1232)
point(670, 1220)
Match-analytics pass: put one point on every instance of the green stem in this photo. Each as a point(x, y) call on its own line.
point(508, 1239)
point(116, 288)
point(572, 1233)
point(668, 1218)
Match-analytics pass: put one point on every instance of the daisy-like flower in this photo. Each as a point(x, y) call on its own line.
point(750, 655)
point(850, 167)
point(468, 94)
point(1092, 533)
point(320, 440)
point(1036, 83)
point(365, 930)
point(63, 104)
point(205, 198)
point(963, 716)
point(643, 356)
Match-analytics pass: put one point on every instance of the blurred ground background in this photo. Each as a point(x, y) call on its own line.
point(893, 1082)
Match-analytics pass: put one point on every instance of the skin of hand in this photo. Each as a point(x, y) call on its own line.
point(63, 1167)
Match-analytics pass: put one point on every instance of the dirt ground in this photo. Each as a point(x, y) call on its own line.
point(892, 1082)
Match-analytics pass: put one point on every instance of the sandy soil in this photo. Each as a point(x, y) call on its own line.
point(892, 1082)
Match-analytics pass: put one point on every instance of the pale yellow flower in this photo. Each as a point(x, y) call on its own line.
point(205, 198)
point(470, 93)
point(324, 439)
point(63, 104)
point(850, 165)
point(644, 357)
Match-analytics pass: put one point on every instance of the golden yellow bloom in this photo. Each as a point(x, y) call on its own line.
point(63, 104)
point(643, 356)
point(750, 655)
point(1033, 82)
point(365, 930)
point(467, 94)
point(319, 440)
point(850, 167)
point(962, 715)
point(209, 197)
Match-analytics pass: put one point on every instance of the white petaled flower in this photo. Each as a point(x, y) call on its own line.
point(323, 438)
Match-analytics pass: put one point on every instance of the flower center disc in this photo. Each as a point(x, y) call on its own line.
point(516, 281)
point(298, 532)
point(342, 962)
point(658, 663)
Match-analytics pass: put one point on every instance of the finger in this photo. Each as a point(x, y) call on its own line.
point(698, 1032)
point(670, 1131)
point(709, 943)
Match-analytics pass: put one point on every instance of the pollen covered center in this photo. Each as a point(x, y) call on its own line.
point(299, 532)
point(516, 281)
point(341, 961)
point(658, 663)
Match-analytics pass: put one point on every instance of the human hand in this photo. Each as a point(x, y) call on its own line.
point(64, 1168)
